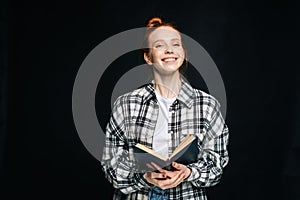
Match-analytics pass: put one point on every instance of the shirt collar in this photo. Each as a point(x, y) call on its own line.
point(185, 95)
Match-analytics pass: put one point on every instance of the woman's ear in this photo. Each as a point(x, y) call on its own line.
point(147, 59)
point(185, 55)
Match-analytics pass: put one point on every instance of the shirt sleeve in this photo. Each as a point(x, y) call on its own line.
point(213, 151)
point(116, 163)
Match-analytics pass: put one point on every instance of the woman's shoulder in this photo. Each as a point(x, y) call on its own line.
point(205, 97)
point(197, 94)
point(135, 95)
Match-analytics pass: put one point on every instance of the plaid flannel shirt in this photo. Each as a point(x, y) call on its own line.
point(133, 120)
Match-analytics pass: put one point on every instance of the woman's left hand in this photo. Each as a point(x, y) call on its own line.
point(173, 178)
point(180, 168)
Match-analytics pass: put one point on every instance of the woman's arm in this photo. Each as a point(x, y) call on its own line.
point(214, 153)
point(119, 169)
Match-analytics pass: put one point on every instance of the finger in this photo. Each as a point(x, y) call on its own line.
point(150, 166)
point(170, 183)
point(179, 180)
point(157, 167)
point(186, 170)
point(150, 178)
point(171, 174)
point(173, 179)
point(158, 175)
point(178, 166)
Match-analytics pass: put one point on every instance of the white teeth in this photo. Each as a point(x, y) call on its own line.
point(169, 59)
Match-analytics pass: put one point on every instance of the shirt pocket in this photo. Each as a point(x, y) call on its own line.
point(141, 132)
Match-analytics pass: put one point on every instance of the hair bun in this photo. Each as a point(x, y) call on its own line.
point(153, 22)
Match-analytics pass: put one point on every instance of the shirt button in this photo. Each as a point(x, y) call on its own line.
point(201, 137)
point(171, 132)
point(173, 111)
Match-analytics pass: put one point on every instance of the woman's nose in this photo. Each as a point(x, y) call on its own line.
point(168, 50)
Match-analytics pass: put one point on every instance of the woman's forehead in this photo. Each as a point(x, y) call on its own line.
point(164, 33)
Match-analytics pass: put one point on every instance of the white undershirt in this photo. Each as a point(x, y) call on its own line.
point(161, 138)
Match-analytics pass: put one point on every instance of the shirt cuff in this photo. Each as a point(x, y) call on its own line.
point(194, 174)
point(143, 181)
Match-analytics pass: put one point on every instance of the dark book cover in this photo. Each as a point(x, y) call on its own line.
point(187, 154)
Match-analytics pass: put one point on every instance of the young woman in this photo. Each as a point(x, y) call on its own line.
point(159, 115)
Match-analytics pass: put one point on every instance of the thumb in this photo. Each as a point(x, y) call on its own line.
point(177, 165)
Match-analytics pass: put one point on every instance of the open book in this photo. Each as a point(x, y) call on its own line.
point(185, 153)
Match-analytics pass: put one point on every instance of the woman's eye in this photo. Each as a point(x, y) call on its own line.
point(176, 45)
point(158, 46)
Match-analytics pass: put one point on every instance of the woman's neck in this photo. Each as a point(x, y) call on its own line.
point(167, 86)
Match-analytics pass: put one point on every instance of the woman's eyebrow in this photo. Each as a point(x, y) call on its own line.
point(161, 40)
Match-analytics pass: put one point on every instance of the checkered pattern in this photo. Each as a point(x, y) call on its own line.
point(133, 120)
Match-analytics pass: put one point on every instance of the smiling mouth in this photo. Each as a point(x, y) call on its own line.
point(169, 59)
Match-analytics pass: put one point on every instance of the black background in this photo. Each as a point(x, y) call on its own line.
point(255, 45)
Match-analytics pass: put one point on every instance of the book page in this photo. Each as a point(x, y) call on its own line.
point(148, 150)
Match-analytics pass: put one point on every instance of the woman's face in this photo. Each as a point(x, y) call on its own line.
point(166, 50)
